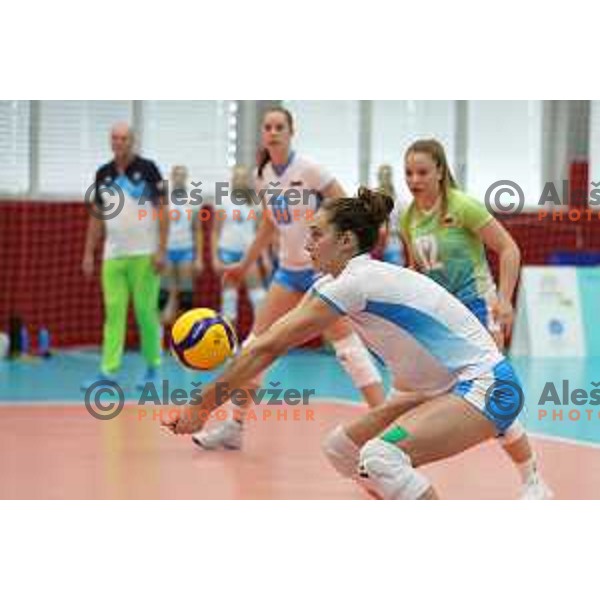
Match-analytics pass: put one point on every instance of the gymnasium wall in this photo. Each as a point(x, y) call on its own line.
point(45, 168)
point(41, 248)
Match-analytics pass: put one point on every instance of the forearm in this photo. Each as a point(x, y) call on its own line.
point(249, 363)
point(94, 232)
point(259, 245)
point(163, 228)
point(510, 262)
point(295, 328)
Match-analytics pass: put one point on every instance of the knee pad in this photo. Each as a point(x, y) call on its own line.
point(512, 434)
point(356, 360)
point(342, 452)
point(390, 473)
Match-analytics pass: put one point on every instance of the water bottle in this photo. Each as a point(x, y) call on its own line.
point(44, 343)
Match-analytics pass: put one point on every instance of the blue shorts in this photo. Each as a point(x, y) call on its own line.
point(393, 255)
point(498, 394)
point(228, 257)
point(297, 281)
point(177, 256)
point(479, 308)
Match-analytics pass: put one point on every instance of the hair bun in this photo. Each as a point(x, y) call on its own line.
point(378, 204)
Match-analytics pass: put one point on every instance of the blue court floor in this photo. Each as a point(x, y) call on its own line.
point(57, 380)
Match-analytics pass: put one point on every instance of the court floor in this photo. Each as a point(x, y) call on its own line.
point(52, 448)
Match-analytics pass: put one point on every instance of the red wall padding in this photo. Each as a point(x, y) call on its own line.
point(41, 247)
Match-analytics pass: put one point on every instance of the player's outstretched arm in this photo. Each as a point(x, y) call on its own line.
point(308, 320)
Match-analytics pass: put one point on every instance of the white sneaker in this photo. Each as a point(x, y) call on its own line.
point(536, 489)
point(224, 435)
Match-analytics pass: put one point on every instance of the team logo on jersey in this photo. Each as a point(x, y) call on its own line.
point(450, 221)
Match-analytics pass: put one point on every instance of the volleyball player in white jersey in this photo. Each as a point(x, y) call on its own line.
point(463, 391)
point(392, 249)
point(233, 236)
point(182, 246)
point(292, 187)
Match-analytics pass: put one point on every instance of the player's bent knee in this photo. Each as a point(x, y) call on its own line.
point(356, 360)
point(390, 472)
point(342, 452)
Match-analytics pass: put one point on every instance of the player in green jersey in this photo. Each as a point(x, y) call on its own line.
point(446, 234)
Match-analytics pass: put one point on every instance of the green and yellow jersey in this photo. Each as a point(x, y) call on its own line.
point(448, 249)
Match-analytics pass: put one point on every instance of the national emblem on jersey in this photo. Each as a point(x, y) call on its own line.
point(427, 251)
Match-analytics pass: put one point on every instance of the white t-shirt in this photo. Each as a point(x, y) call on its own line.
point(132, 230)
point(428, 339)
point(181, 223)
point(292, 213)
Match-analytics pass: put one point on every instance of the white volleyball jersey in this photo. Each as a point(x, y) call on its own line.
point(428, 339)
point(292, 198)
point(181, 224)
point(238, 228)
